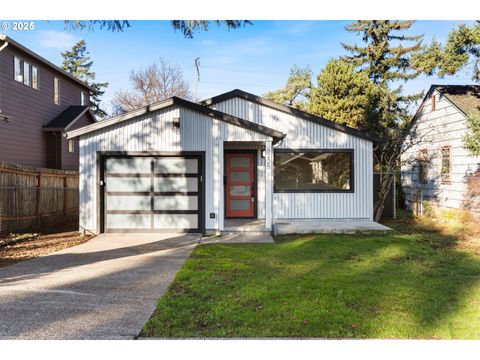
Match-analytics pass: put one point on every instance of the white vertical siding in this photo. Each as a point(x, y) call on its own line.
point(154, 132)
point(302, 134)
point(444, 126)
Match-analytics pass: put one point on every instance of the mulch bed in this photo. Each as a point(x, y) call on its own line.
point(15, 248)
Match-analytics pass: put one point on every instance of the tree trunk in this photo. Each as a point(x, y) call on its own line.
point(386, 181)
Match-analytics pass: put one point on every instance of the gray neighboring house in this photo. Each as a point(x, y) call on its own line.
point(440, 170)
point(204, 167)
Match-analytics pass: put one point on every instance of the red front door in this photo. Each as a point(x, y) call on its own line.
point(240, 185)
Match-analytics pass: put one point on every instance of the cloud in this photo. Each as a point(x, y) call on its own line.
point(56, 39)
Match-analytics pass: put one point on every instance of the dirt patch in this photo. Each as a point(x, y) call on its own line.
point(23, 247)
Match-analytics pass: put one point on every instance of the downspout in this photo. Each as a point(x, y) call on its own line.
point(2, 37)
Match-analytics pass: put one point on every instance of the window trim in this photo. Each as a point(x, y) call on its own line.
point(29, 73)
point(56, 99)
point(425, 165)
point(71, 146)
point(434, 102)
point(449, 181)
point(326, 191)
point(37, 87)
point(83, 98)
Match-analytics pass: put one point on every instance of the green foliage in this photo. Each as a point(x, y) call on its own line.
point(471, 140)
point(186, 27)
point(343, 95)
point(411, 283)
point(297, 90)
point(77, 62)
point(461, 49)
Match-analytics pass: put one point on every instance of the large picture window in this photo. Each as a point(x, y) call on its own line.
point(313, 171)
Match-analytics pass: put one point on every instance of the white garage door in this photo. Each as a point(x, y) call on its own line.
point(152, 194)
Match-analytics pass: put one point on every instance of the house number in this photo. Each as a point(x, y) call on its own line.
point(268, 157)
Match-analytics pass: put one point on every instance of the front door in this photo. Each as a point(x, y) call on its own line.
point(240, 185)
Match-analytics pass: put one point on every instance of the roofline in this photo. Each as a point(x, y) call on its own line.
point(289, 110)
point(87, 109)
point(9, 40)
point(429, 93)
point(275, 134)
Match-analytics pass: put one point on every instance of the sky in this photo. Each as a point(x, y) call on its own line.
point(256, 58)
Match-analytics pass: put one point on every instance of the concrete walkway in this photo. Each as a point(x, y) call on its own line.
point(328, 226)
point(106, 288)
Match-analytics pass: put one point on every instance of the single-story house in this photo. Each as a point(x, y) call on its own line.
point(178, 165)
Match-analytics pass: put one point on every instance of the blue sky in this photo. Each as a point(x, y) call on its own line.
point(256, 58)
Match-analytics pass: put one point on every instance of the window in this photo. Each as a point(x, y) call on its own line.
point(446, 170)
point(433, 103)
point(18, 73)
point(313, 171)
point(56, 91)
point(423, 166)
point(71, 146)
point(26, 74)
point(34, 77)
point(82, 98)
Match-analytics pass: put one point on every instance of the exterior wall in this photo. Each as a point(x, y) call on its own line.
point(69, 161)
point(445, 126)
point(154, 132)
point(22, 140)
point(302, 134)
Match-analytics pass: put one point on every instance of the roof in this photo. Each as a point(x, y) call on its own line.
point(275, 134)
point(237, 93)
point(67, 118)
point(12, 42)
point(465, 97)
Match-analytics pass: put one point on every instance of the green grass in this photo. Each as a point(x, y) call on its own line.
point(413, 283)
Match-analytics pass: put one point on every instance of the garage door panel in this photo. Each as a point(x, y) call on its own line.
point(176, 202)
point(129, 184)
point(129, 202)
point(175, 165)
point(175, 221)
point(132, 165)
point(128, 221)
point(171, 184)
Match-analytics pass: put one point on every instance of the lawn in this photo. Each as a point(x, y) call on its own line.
point(413, 283)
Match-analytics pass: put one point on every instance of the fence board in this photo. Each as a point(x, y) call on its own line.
point(32, 198)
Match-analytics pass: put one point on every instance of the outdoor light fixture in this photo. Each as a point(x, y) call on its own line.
point(263, 154)
point(176, 124)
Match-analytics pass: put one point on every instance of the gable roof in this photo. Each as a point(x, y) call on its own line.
point(237, 93)
point(67, 118)
point(12, 42)
point(466, 98)
point(275, 134)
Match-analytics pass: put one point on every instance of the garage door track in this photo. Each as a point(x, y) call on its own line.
point(106, 288)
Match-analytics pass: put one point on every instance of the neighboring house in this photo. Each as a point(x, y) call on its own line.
point(440, 170)
point(39, 102)
point(178, 165)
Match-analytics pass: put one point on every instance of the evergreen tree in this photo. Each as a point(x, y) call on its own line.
point(387, 57)
point(297, 89)
point(78, 63)
point(472, 138)
point(342, 95)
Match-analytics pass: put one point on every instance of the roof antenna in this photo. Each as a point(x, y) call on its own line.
point(197, 76)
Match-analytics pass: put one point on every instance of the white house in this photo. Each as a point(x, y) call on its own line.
point(178, 165)
point(438, 168)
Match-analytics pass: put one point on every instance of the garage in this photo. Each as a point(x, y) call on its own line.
point(146, 193)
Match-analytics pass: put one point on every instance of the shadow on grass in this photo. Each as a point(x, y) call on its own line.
point(409, 284)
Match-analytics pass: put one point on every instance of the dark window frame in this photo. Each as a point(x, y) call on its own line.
point(423, 165)
point(443, 178)
point(313, 150)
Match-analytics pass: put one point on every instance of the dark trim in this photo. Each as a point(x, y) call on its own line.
point(101, 208)
point(289, 110)
point(153, 193)
point(307, 191)
point(255, 181)
point(175, 101)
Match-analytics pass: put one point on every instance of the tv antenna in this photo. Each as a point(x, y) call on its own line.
point(197, 75)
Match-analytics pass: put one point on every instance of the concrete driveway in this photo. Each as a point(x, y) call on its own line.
point(106, 288)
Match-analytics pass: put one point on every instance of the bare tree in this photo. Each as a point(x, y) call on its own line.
point(159, 81)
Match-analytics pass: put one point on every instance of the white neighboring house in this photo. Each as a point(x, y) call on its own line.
point(178, 165)
point(440, 170)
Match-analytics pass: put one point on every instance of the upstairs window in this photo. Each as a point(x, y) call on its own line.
point(423, 166)
point(71, 146)
point(26, 74)
point(82, 98)
point(446, 170)
point(56, 91)
point(34, 77)
point(18, 73)
point(434, 105)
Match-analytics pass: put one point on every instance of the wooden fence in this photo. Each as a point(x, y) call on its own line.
point(33, 198)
